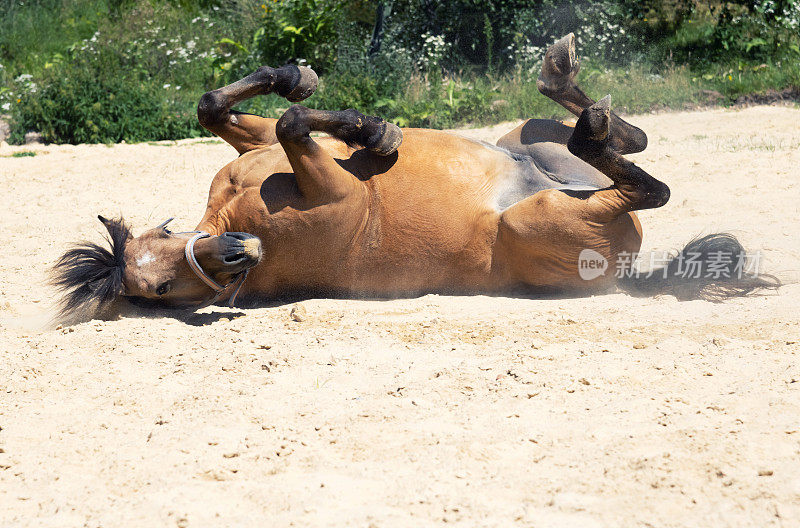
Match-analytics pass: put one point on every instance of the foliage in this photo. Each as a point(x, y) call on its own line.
point(303, 30)
point(26, 48)
point(759, 29)
point(84, 107)
point(110, 70)
point(111, 85)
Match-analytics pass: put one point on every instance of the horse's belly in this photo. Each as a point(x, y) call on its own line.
point(435, 236)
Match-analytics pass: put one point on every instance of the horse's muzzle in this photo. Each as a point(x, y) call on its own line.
point(238, 251)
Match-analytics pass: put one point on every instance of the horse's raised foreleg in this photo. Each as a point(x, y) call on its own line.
point(557, 81)
point(319, 178)
point(246, 131)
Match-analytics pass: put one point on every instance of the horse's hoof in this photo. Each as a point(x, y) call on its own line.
point(560, 66)
point(388, 141)
point(306, 86)
point(296, 83)
point(599, 115)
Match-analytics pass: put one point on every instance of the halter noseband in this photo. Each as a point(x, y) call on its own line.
point(203, 276)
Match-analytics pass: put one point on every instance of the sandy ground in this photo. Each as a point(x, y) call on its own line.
point(466, 411)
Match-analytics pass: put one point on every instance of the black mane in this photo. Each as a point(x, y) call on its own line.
point(89, 275)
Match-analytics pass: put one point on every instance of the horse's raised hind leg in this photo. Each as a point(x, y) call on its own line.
point(633, 188)
point(557, 81)
point(319, 178)
point(541, 239)
point(246, 131)
point(552, 228)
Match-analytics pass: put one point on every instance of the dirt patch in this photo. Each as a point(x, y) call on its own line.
point(491, 411)
point(787, 95)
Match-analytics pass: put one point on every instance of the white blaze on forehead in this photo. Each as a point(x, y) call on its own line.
point(147, 258)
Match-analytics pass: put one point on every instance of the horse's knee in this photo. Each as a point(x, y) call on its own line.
point(212, 108)
point(293, 124)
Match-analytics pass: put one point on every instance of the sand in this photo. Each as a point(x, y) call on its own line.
point(466, 411)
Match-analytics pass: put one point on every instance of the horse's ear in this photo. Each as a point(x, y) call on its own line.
point(109, 223)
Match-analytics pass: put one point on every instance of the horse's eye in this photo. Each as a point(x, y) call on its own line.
point(163, 288)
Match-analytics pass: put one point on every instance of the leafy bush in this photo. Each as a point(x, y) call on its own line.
point(123, 82)
point(82, 105)
point(300, 29)
point(759, 29)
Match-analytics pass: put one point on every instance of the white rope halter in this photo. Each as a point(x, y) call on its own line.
point(203, 276)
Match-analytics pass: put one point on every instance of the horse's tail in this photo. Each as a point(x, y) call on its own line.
point(714, 267)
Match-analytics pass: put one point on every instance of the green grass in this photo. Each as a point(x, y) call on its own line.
point(36, 34)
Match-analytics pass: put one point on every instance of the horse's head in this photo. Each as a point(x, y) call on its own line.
point(158, 268)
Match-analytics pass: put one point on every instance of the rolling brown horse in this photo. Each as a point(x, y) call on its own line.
point(375, 211)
